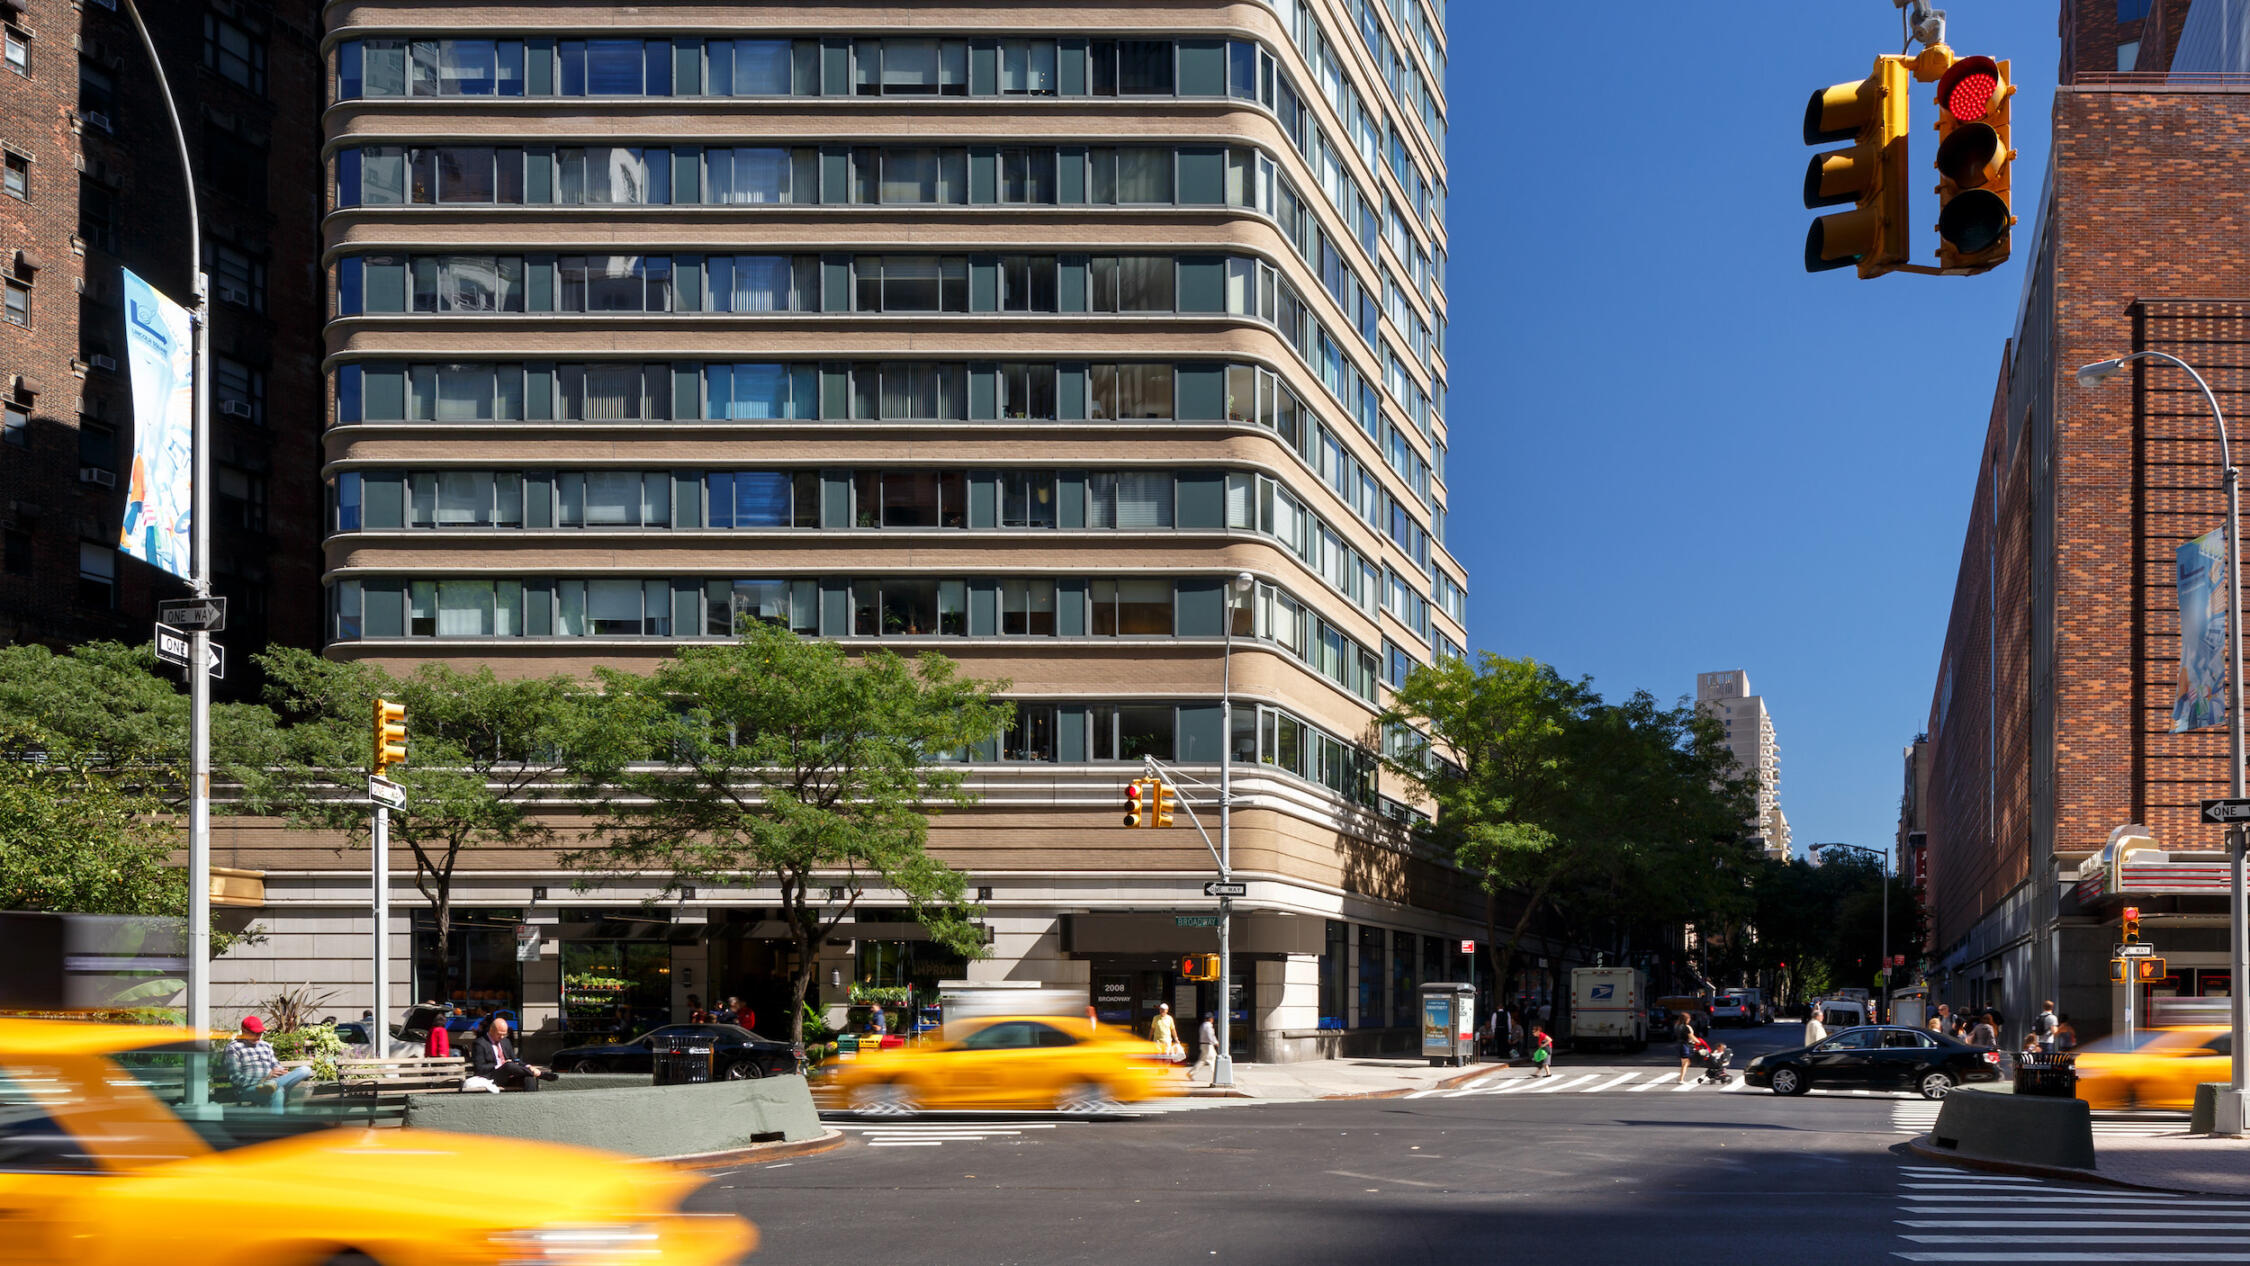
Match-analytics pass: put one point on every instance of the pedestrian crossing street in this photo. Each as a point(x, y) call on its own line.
point(1957, 1215)
point(1917, 1118)
point(1015, 1128)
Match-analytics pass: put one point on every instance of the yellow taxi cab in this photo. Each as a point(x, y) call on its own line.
point(1010, 1061)
point(2162, 1069)
point(103, 1159)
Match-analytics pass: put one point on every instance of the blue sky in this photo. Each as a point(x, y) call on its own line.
point(1675, 451)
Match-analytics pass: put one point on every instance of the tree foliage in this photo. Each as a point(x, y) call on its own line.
point(1825, 922)
point(487, 757)
point(777, 759)
point(1619, 816)
point(93, 774)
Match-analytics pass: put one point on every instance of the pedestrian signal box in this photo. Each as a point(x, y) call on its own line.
point(2147, 969)
point(1199, 967)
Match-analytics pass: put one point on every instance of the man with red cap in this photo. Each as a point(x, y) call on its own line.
point(254, 1070)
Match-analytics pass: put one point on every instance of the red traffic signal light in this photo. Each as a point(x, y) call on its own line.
point(1135, 809)
point(2130, 927)
point(1972, 163)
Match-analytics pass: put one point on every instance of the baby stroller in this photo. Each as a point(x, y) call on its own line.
point(1715, 1061)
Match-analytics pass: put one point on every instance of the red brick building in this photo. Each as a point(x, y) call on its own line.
point(93, 185)
point(2050, 718)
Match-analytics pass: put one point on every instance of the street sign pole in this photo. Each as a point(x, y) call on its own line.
point(378, 1033)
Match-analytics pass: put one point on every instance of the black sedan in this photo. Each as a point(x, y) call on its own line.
point(1876, 1057)
point(737, 1053)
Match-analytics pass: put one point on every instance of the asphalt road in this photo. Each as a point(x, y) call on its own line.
point(1579, 1174)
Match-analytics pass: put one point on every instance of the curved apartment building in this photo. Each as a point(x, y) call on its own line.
point(1013, 331)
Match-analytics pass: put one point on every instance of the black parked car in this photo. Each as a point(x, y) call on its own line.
point(1877, 1057)
point(736, 1052)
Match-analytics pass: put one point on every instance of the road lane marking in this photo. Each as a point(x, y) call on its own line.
point(1411, 1182)
point(1685, 1085)
point(1981, 1255)
point(2075, 1239)
point(1608, 1084)
point(1559, 1083)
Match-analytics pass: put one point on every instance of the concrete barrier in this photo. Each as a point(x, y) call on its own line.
point(2029, 1129)
point(639, 1120)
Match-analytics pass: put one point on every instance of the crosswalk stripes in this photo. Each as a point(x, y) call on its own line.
point(1596, 1081)
point(1955, 1215)
point(1919, 1116)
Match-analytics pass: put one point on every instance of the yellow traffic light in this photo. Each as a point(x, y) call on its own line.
point(1973, 158)
point(2130, 928)
point(1166, 799)
point(1135, 805)
point(2117, 971)
point(1199, 967)
point(390, 735)
point(1871, 175)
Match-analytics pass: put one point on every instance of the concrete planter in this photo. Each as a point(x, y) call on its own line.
point(636, 1119)
point(2027, 1129)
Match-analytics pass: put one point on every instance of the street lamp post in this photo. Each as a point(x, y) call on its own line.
point(1883, 861)
point(199, 583)
point(2229, 1117)
point(1222, 1065)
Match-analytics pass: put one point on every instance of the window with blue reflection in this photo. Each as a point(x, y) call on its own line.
point(761, 68)
point(347, 501)
point(613, 68)
point(761, 499)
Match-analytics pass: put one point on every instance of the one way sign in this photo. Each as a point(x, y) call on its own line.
point(2224, 811)
point(172, 646)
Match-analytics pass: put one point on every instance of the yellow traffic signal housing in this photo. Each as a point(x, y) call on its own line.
point(1871, 175)
point(1973, 161)
point(2147, 969)
point(390, 735)
point(1136, 808)
point(1166, 801)
point(2130, 926)
point(1199, 967)
point(2117, 971)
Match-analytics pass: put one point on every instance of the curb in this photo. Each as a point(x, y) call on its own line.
point(1450, 1083)
point(759, 1153)
point(1919, 1145)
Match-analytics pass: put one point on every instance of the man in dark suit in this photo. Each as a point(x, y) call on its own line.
point(494, 1056)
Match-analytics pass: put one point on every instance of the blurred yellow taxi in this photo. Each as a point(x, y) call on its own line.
point(2162, 1069)
point(103, 1160)
point(1010, 1061)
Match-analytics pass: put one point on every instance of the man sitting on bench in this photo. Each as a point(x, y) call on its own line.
point(494, 1058)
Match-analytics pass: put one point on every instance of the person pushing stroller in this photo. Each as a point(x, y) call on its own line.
point(1713, 1056)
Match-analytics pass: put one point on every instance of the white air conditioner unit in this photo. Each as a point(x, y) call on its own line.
point(237, 409)
point(99, 361)
point(96, 475)
point(232, 295)
point(97, 118)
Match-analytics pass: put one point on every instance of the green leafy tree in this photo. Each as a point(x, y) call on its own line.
point(93, 775)
point(1614, 815)
point(781, 760)
point(487, 759)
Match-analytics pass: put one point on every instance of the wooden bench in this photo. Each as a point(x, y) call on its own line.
point(378, 1087)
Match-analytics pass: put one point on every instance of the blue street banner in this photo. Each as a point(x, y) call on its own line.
point(2201, 699)
point(160, 495)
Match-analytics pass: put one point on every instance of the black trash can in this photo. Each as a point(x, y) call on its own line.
point(2051, 1074)
point(680, 1059)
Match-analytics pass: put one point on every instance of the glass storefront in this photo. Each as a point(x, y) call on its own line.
point(479, 972)
point(615, 989)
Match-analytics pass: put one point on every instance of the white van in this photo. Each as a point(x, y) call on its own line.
point(1842, 1013)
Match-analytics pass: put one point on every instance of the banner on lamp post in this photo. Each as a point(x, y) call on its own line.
point(2200, 698)
point(160, 493)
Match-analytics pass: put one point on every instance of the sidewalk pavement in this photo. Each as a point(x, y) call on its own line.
point(2193, 1164)
point(1341, 1078)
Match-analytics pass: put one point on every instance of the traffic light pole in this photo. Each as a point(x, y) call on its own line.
point(198, 1000)
point(1222, 1068)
